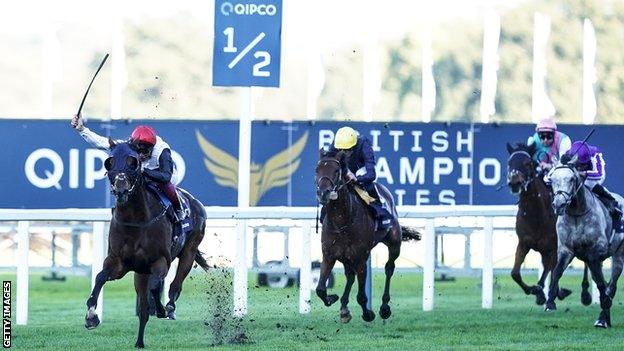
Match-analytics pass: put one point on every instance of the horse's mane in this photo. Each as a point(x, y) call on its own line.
point(530, 149)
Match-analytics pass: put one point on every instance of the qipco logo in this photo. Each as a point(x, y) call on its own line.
point(227, 8)
point(45, 168)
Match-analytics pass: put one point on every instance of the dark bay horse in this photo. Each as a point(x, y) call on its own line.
point(585, 231)
point(348, 236)
point(140, 240)
point(535, 222)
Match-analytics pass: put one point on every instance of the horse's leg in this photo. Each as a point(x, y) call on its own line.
point(564, 257)
point(362, 299)
point(394, 249)
point(549, 264)
point(184, 267)
point(616, 269)
point(345, 314)
point(111, 269)
point(604, 319)
point(521, 251)
point(159, 271)
point(549, 260)
point(586, 298)
point(141, 282)
point(321, 289)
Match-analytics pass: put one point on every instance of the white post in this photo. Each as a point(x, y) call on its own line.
point(305, 272)
point(429, 266)
point(244, 161)
point(169, 278)
point(595, 293)
point(491, 35)
point(119, 76)
point(428, 82)
point(541, 106)
point(21, 317)
point(240, 270)
point(589, 72)
point(99, 252)
point(488, 264)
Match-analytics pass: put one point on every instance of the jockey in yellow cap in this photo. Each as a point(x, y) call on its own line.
point(361, 165)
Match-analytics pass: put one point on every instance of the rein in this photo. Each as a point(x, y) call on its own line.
point(569, 196)
point(143, 224)
point(135, 224)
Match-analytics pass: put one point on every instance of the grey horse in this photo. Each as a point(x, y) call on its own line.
point(584, 230)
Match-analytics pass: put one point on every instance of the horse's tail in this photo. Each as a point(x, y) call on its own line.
point(199, 258)
point(410, 233)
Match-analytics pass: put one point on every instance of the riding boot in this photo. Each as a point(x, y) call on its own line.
point(612, 206)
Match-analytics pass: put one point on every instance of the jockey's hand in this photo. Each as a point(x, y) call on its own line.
point(545, 166)
point(350, 177)
point(77, 123)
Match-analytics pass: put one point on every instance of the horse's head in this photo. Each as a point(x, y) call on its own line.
point(520, 167)
point(329, 176)
point(124, 170)
point(566, 182)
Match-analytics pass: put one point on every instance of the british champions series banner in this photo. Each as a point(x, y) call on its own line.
point(47, 164)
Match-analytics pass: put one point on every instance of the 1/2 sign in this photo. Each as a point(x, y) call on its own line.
point(247, 40)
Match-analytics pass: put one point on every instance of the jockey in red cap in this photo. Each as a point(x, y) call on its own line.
point(154, 153)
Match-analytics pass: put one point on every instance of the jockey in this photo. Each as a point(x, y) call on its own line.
point(550, 144)
point(154, 154)
point(591, 165)
point(361, 165)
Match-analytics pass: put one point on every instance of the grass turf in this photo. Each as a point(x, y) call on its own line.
point(57, 310)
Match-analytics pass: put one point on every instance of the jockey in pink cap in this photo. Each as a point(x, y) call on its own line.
point(550, 144)
point(591, 165)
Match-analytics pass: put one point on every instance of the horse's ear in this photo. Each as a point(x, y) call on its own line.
point(532, 149)
point(341, 157)
point(509, 148)
point(111, 143)
point(322, 153)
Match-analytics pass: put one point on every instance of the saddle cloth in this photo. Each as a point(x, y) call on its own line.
point(186, 225)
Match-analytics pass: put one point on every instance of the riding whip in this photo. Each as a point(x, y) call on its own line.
point(89, 87)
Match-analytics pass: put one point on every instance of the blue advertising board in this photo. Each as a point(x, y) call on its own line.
point(48, 165)
point(247, 43)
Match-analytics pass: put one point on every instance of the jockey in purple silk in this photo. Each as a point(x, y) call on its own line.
point(592, 166)
point(550, 144)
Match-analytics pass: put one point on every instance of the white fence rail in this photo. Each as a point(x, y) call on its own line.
point(303, 216)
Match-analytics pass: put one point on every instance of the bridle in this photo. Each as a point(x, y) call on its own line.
point(336, 184)
point(568, 196)
point(527, 177)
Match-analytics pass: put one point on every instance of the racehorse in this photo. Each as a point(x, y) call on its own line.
point(535, 222)
point(348, 235)
point(140, 239)
point(585, 231)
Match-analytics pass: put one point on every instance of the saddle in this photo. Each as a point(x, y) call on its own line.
point(181, 229)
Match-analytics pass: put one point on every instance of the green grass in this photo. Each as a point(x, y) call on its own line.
point(57, 310)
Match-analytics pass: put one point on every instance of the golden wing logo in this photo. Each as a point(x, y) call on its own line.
point(275, 172)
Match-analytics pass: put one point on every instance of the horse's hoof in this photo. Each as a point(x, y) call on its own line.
point(139, 345)
point(540, 298)
point(601, 324)
point(331, 299)
point(586, 298)
point(170, 312)
point(550, 306)
point(368, 316)
point(345, 317)
point(563, 293)
point(161, 313)
point(385, 312)
point(93, 322)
